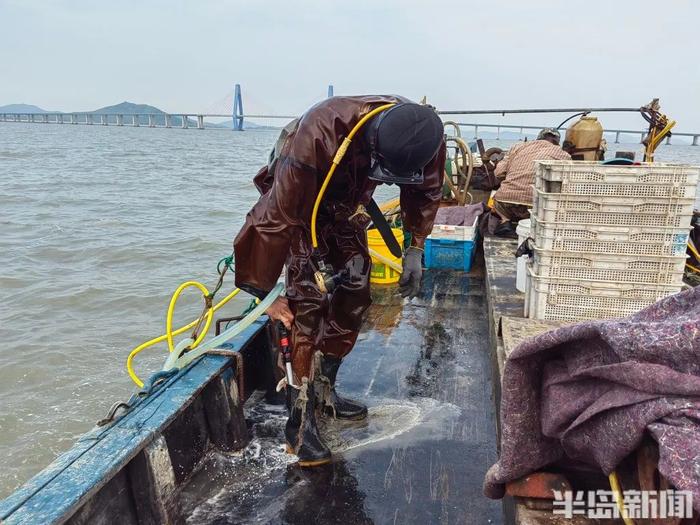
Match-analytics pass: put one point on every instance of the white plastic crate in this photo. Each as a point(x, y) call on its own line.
point(617, 240)
point(571, 300)
point(594, 178)
point(455, 233)
point(612, 211)
point(609, 268)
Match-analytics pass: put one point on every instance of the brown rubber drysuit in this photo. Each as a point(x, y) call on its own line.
point(277, 229)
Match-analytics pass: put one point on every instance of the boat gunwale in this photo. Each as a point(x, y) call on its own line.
point(55, 493)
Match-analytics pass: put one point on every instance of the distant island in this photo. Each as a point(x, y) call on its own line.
point(23, 108)
point(132, 108)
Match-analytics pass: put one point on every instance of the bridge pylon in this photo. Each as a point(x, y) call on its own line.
point(237, 109)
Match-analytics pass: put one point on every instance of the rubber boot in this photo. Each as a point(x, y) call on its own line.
point(333, 404)
point(301, 431)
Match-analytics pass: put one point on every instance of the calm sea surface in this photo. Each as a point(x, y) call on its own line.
point(98, 226)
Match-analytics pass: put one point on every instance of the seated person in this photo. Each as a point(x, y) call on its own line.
point(513, 200)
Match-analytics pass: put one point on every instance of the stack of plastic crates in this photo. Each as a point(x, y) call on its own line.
point(609, 240)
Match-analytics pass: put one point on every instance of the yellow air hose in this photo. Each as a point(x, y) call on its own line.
point(339, 154)
point(170, 333)
point(171, 311)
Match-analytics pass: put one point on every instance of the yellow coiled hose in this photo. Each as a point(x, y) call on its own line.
point(170, 333)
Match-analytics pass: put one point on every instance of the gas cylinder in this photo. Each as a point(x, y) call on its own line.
point(584, 136)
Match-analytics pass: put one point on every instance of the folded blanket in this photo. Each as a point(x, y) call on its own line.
point(459, 215)
point(589, 392)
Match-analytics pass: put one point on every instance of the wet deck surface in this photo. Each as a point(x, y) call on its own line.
point(425, 370)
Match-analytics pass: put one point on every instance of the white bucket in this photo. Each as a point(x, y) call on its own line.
point(521, 277)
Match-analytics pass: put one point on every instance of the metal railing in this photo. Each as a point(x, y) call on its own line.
point(616, 132)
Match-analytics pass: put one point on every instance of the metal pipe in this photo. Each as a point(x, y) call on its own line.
point(552, 110)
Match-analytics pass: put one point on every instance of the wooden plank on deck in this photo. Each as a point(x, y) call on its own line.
point(515, 330)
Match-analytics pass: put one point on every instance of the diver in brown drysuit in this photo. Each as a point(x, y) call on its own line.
point(404, 145)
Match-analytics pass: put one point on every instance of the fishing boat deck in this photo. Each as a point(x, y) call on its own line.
point(425, 371)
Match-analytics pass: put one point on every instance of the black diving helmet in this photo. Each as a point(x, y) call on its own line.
point(403, 140)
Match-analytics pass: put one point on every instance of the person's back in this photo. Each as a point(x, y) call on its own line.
point(514, 198)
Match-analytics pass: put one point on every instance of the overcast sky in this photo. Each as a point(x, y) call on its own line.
point(75, 55)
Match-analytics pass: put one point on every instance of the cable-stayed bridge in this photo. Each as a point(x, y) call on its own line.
point(231, 108)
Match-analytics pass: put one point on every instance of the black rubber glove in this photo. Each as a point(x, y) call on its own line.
point(409, 283)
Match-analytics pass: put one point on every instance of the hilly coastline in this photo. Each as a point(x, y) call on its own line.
point(130, 108)
point(22, 108)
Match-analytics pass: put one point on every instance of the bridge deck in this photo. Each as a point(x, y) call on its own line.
point(425, 371)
